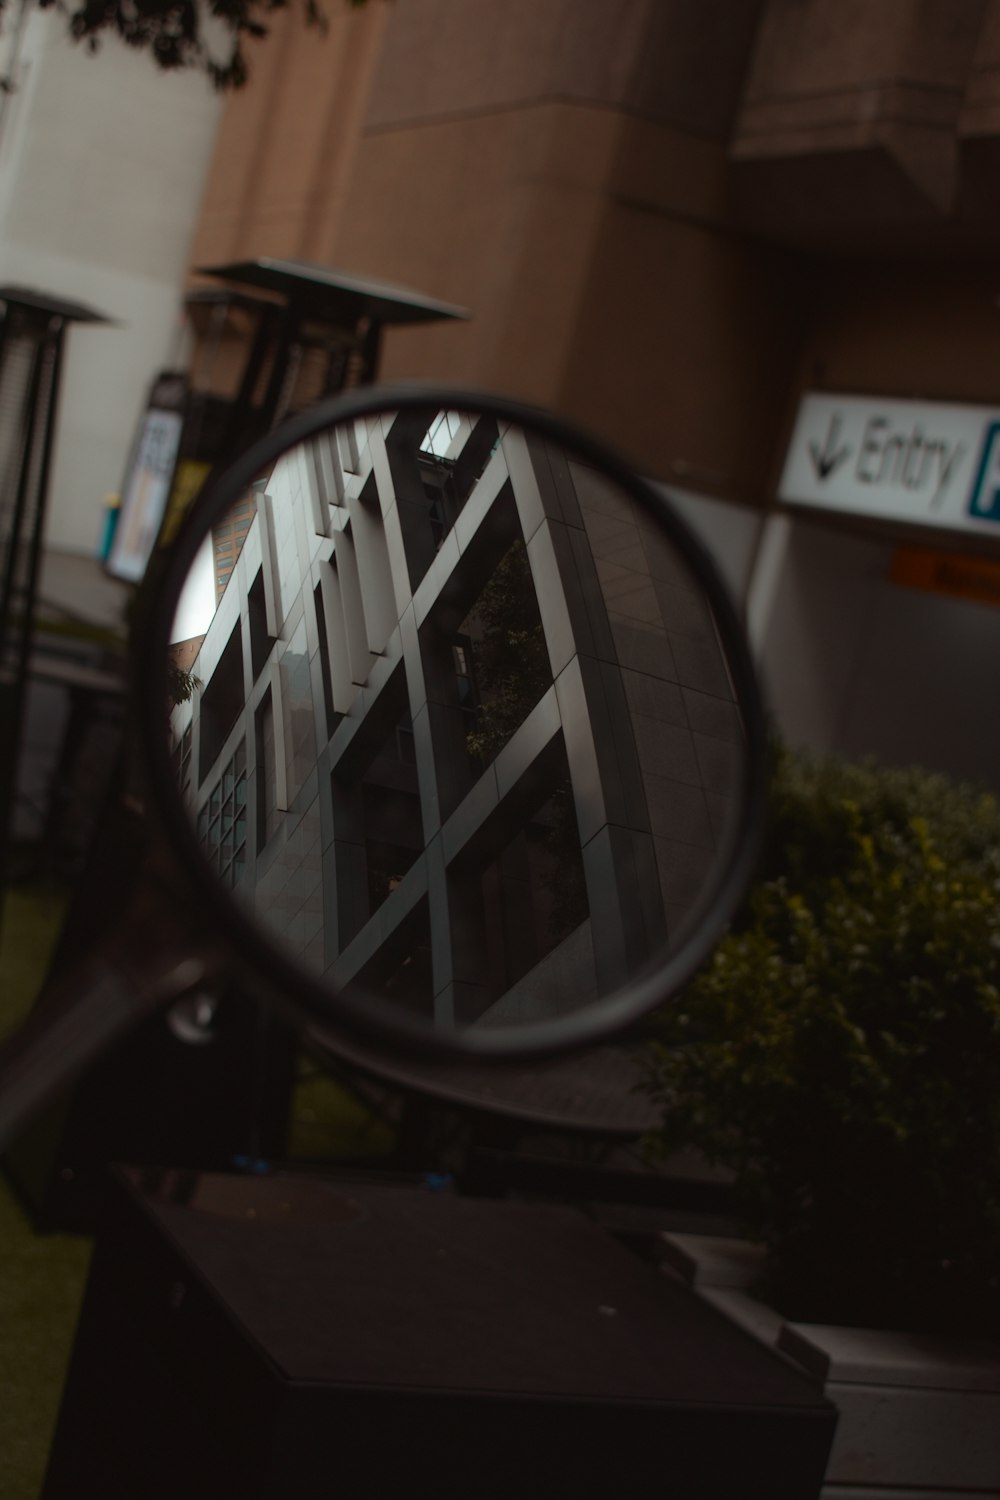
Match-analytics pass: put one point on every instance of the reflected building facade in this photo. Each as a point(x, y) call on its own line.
point(465, 734)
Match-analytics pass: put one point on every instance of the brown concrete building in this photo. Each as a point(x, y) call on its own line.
point(671, 222)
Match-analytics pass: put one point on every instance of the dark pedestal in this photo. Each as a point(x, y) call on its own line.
point(286, 1337)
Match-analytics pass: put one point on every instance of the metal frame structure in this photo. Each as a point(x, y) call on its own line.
point(299, 307)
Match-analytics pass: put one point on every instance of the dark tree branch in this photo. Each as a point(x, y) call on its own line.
point(208, 35)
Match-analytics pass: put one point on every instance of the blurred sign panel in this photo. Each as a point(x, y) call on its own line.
point(922, 462)
point(148, 480)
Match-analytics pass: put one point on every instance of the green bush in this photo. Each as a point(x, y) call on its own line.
point(841, 1050)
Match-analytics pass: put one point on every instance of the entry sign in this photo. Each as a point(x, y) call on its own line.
point(914, 461)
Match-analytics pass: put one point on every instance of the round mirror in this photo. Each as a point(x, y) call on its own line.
point(452, 717)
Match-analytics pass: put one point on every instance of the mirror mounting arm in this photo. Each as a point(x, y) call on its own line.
point(149, 963)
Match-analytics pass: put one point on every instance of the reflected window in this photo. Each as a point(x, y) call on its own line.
point(513, 906)
point(330, 713)
point(423, 482)
point(442, 432)
point(298, 714)
point(500, 658)
point(377, 816)
point(222, 823)
point(261, 641)
point(392, 821)
point(401, 972)
point(405, 747)
point(484, 656)
point(267, 773)
point(222, 703)
point(228, 536)
point(181, 756)
point(441, 505)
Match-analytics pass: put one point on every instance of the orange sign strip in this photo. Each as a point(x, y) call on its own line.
point(951, 573)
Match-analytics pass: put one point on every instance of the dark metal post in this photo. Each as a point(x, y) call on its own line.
point(20, 504)
point(43, 320)
point(50, 356)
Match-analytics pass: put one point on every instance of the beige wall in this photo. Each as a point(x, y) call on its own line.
point(102, 161)
point(643, 202)
point(667, 219)
point(556, 166)
point(928, 329)
point(668, 60)
point(286, 143)
point(860, 120)
point(560, 169)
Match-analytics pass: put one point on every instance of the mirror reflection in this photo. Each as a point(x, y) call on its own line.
point(454, 721)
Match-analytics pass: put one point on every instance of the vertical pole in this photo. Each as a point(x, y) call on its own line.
point(20, 501)
point(52, 347)
point(371, 352)
point(277, 396)
point(43, 408)
point(239, 433)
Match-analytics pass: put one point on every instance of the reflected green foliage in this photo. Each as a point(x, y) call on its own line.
point(510, 660)
point(562, 841)
point(329, 1123)
point(41, 1276)
point(840, 1051)
point(181, 685)
point(40, 1294)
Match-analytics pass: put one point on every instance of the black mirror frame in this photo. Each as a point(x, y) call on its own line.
point(258, 955)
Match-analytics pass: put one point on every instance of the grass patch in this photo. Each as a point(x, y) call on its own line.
point(30, 921)
point(41, 1276)
point(41, 1287)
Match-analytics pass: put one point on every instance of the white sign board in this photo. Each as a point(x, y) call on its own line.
point(147, 489)
point(916, 461)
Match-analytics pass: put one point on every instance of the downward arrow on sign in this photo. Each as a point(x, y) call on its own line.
point(831, 456)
